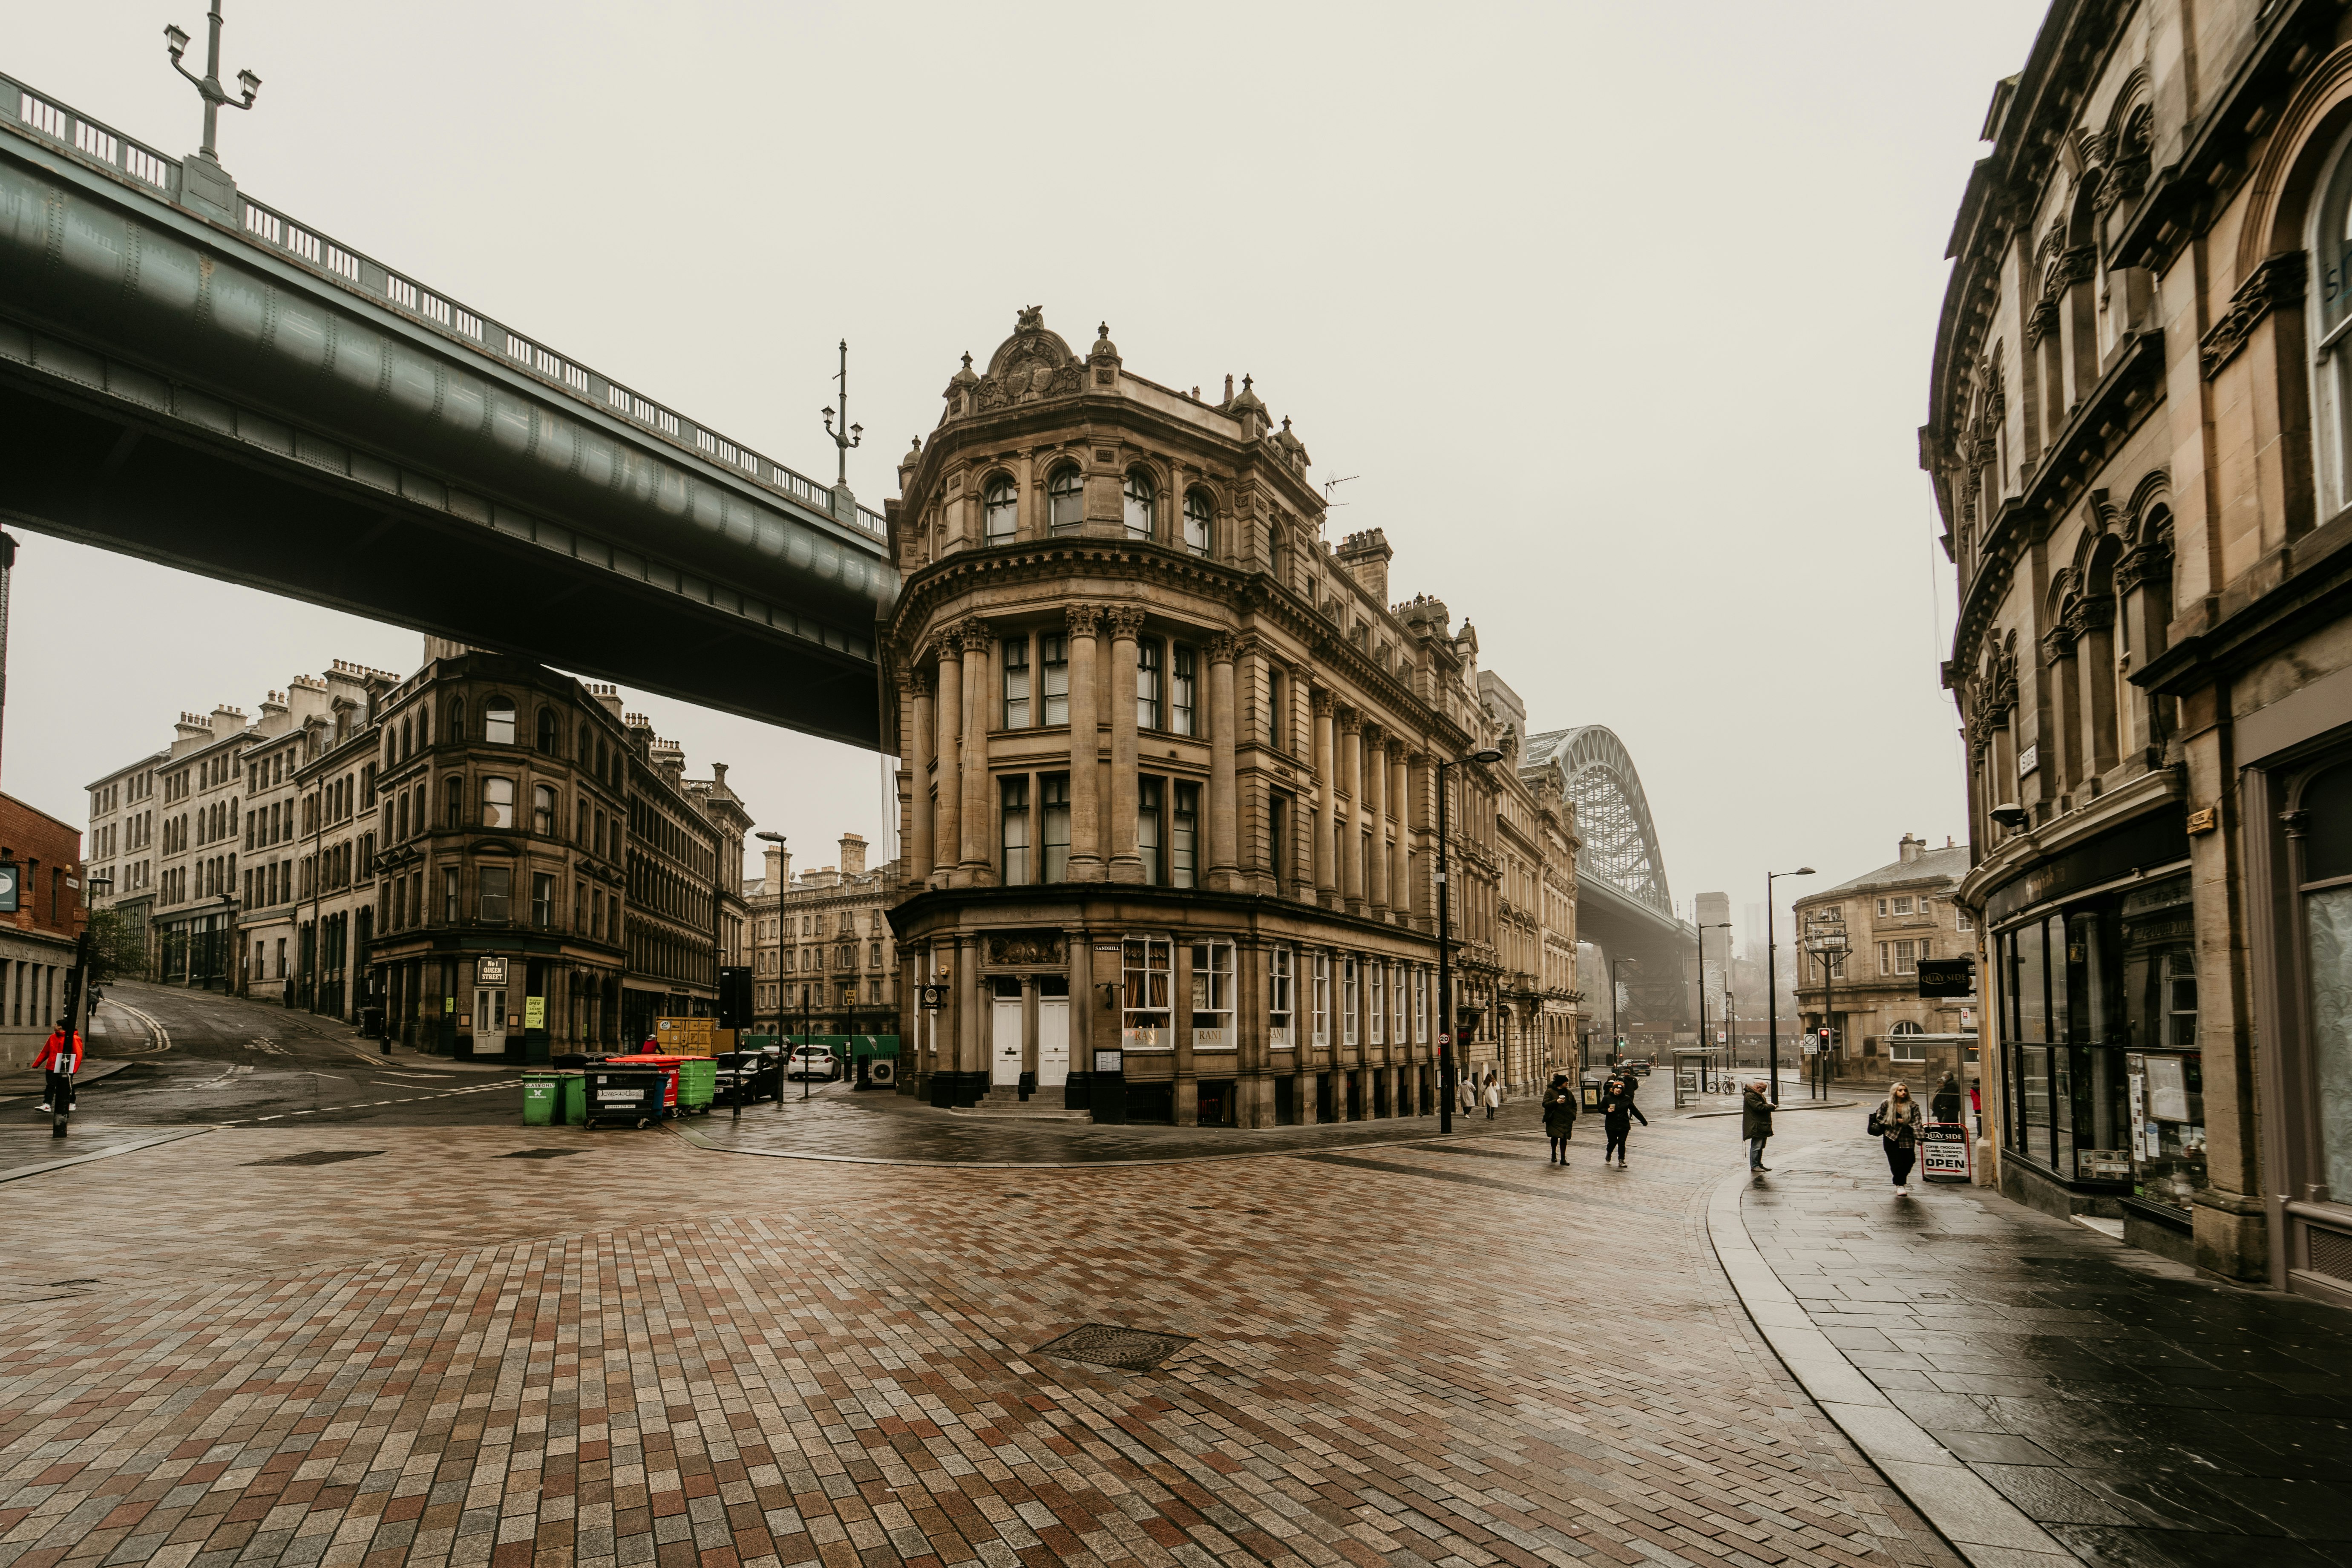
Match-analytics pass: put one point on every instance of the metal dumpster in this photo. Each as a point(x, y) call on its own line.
point(631, 1095)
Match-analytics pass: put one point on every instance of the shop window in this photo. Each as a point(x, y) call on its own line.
point(1138, 495)
point(1013, 803)
point(496, 885)
point(1320, 1015)
point(1198, 511)
point(1184, 840)
point(2324, 878)
point(1064, 501)
point(498, 722)
point(1054, 679)
point(1281, 986)
point(1150, 793)
point(1053, 828)
point(1016, 683)
point(1144, 1004)
point(1212, 996)
point(1000, 510)
point(1184, 691)
point(498, 803)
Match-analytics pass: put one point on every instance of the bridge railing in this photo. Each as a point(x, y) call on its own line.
point(90, 141)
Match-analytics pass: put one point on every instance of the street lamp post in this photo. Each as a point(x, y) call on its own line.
point(1771, 975)
point(208, 86)
point(1445, 948)
point(1826, 940)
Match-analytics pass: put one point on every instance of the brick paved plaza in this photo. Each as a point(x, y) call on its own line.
point(645, 1352)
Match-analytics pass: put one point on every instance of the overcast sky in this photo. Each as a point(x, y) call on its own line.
point(1620, 315)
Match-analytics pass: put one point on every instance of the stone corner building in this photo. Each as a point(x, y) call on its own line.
point(2140, 436)
point(1168, 796)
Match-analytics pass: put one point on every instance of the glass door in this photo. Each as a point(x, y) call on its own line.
point(489, 1021)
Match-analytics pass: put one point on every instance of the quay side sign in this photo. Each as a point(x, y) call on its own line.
point(1944, 1151)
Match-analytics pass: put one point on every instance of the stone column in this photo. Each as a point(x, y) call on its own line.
point(1349, 824)
point(1085, 742)
point(1225, 800)
point(977, 868)
point(1126, 624)
point(1400, 857)
point(919, 812)
point(2144, 579)
point(1327, 774)
point(2062, 739)
point(1376, 859)
point(948, 752)
point(2093, 623)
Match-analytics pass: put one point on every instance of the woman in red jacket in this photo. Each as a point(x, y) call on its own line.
point(61, 1056)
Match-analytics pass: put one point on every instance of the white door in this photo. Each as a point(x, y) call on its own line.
point(1005, 1058)
point(1053, 1041)
point(489, 1021)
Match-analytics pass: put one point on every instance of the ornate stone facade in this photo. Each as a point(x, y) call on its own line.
point(2140, 436)
point(1168, 780)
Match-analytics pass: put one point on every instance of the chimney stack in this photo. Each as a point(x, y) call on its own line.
point(780, 867)
point(852, 855)
point(1911, 849)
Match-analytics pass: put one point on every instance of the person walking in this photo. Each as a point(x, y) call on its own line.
point(1899, 1121)
point(1755, 1123)
point(1618, 1114)
point(1468, 1085)
point(1559, 1115)
point(60, 1059)
point(1493, 1094)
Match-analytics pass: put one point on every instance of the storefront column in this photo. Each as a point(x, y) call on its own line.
point(919, 814)
point(2094, 623)
point(1224, 804)
point(947, 752)
point(1348, 822)
point(977, 865)
point(1375, 775)
point(2144, 581)
point(1326, 778)
point(1086, 747)
point(2231, 1217)
point(1126, 624)
point(1179, 1018)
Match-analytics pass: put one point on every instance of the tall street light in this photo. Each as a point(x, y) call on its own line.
point(1445, 948)
point(1771, 979)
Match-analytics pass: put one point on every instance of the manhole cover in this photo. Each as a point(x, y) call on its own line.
point(320, 1157)
point(539, 1154)
point(1108, 1344)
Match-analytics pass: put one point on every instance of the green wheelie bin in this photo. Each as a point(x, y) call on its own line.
point(698, 1083)
point(538, 1092)
point(571, 1098)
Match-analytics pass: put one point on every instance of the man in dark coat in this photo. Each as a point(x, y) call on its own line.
point(1559, 1115)
point(1618, 1114)
point(1756, 1125)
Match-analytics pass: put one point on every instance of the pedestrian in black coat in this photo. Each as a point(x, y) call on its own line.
point(1756, 1125)
point(1559, 1115)
point(1618, 1114)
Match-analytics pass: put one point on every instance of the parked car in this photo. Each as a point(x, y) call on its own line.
point(813, 1062)
point(1638, 1066)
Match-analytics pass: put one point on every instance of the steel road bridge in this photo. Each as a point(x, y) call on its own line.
point(191, 377)
point(1623, 906)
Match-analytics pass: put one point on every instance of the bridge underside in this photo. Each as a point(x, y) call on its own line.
point(92, 467)
point(1661, 952)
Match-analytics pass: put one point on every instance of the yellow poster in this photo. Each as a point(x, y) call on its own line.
point(534, 1012)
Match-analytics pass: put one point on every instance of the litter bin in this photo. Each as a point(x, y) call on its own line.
point(697, 1084)
point(668, 1065)
point(631, 1094)
point(571, 1098)
point(539, 1099)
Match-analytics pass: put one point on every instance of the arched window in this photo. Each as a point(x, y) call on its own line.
point(498, 722)
point(1140, 494)
point(1197, 513)
point(498, 803)
point(1064, 501)
point(550, 738)
point(457, 721)
point(2330, 241)
point(542, 811)
point(1000, 510)
point(404, 737)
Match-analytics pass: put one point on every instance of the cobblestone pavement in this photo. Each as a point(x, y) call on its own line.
point(640, 1352)
point(2141, 1414)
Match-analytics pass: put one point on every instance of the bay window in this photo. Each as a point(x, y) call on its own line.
point(1212, 996)
point(1144, 1001)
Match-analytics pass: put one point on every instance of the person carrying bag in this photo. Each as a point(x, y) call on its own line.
point(1895, 1124)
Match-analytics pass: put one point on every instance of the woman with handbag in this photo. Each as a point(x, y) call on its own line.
point(1897, 1123)
point(1559, 1115)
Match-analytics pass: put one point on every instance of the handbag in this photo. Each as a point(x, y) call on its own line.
point(1879, 1121)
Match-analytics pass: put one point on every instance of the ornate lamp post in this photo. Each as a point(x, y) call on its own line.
point(1445, 948)
point(209, 84)
point(1825, 939)
point(1772, 977)
point(850, 435)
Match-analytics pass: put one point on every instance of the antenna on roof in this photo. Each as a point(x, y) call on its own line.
point(1331, 485)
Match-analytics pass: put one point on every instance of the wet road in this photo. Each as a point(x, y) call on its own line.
point(199, 1058)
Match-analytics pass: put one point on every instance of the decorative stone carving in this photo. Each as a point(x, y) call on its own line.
point(1125, 621)
point(1221, 647)
point(2058, 642)
point(2149, 564)
point(1082, 619)
point(975, 635)
point(1320, 698)
point(2276, 282)
point(1032, 363)
point(1028, 947)
point(2089, 614)
point(916, 683)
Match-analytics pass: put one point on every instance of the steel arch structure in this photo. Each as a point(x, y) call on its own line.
point(1612, 815)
